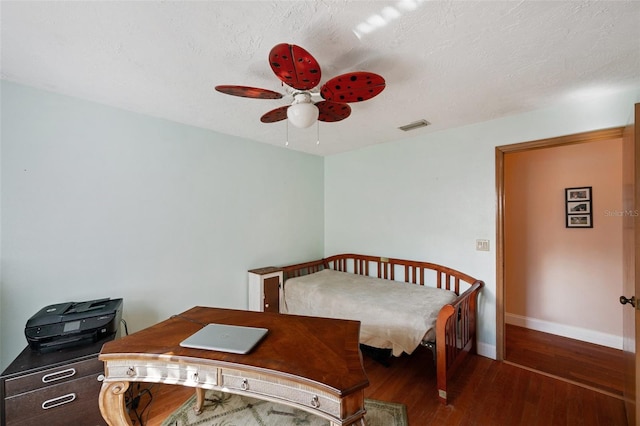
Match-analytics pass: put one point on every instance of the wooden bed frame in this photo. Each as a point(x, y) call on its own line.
point(456, 323)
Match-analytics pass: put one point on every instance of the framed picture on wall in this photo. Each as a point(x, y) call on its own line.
point(579, 194)
point(578, 204)
point(579, 221)
point(577, 207)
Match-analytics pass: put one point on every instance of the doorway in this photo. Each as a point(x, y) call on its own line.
point(502, 258)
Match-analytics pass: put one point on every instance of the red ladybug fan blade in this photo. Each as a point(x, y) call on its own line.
point(331, 112)
point(249, 92)
point(353, 87)
point(274, 115)
point(295, 66)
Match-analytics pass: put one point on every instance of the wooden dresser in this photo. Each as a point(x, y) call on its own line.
point(56, 388)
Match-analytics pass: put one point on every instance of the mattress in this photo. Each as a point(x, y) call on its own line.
point(393, 315)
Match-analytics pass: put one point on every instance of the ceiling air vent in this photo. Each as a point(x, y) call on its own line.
point(414, 125)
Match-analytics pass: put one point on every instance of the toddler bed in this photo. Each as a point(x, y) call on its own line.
point(401, 304)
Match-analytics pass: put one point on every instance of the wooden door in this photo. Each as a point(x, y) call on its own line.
point(631, 264)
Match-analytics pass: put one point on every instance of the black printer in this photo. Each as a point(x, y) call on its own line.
point(73, 324)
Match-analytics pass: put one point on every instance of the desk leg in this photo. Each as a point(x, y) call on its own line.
point(199, 401)
point(111, 401)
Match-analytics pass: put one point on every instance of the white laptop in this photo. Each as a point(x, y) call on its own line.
point(225, 338)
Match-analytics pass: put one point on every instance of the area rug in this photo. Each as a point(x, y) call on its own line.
point(223, 409)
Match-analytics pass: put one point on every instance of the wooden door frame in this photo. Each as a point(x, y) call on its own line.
point(500, 151)
point(631, 265)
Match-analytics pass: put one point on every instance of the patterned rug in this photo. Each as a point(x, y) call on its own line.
point(223, 409)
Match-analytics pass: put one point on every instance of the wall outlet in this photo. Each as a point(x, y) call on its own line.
point(482, 245)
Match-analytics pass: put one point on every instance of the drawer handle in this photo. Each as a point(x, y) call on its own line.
point(315, 401)
point(244, 385)
point(195, 377)
point(56, 402)
point(131, 371)
point(58, 375)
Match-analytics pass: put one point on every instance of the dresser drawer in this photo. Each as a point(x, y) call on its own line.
point(72, 402)
point(160, 372)
point(52, 376)
point(286, 391)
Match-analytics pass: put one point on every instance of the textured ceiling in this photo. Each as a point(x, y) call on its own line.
point(451, 63)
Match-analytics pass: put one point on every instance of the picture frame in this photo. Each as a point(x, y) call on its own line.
point(578, 207)
point(579, 221)
point(578, 194)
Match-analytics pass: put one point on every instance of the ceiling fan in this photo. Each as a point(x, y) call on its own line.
point(296, 68)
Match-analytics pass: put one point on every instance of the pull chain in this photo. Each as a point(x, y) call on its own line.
point(287, 141)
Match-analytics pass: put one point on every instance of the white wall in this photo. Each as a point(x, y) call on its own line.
point(431, 196)
point(100, 202)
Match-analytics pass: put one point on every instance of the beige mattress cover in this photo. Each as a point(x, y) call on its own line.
point(394, 315)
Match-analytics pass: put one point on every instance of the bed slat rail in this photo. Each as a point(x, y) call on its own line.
point(458, 335)
point(410, 271)
point(303, 269)
point(456, 324)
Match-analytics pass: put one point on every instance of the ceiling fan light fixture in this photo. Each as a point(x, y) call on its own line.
point(303, 113)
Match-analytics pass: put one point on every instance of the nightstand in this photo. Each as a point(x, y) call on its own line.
point(264, 289)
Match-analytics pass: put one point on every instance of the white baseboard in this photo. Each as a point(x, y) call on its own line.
point(486, 350)
point(578, 333)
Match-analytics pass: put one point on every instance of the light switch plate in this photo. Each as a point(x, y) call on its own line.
point(482, 245)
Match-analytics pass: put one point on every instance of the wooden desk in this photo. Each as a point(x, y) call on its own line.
point(305, 362)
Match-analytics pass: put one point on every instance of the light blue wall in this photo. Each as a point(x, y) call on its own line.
point(430, 197)
point(100, 202)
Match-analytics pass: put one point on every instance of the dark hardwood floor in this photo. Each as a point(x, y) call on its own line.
point(482, 392)
point(590, 365)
